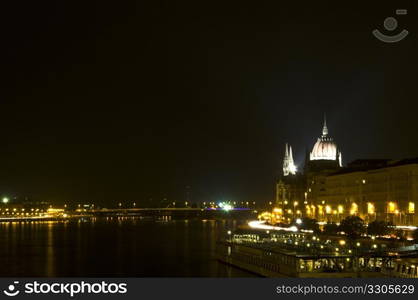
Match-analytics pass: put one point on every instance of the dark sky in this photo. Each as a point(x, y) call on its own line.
point(108, 101)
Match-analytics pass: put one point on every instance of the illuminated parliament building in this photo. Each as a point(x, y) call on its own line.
point(373, 189)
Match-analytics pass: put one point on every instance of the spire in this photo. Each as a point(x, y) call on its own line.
point(288, 163)
point(325, 128)
point(290, 155)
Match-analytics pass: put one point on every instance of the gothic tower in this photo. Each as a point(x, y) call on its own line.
point(289, 167)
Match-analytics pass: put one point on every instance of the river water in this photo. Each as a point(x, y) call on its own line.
point(114, 247)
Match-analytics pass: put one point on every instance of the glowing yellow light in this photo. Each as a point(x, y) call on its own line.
point(370, 208)
point(342, 242)
point(289, 211)
point(392, 207)
point(320, 210)
point(353, 209)
point(285, 202)
point(277, 210)
point(411, 207)
point(340, 209)
point(374, 246)
point(358, 244)
point(295, 203)
point(328, 209)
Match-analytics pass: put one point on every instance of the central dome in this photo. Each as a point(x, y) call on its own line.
point(325, 148)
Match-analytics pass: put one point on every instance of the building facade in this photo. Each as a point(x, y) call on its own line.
point(373, 189)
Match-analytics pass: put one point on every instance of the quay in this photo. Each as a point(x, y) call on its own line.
point(186, 212)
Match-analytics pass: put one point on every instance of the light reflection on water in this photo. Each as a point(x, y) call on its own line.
point(116, 246)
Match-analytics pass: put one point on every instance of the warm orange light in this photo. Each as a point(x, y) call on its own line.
point(55, 210)
point(370, 208)
point(328, 209)
point(340, 209)
point(411, 207)
point(353, 209)
point(278, 210)
point(392, 207)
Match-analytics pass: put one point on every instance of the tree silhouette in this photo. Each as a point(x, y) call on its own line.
point(353, 226)
point(330, 228)
point(379, 228)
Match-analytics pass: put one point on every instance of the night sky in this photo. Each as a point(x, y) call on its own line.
point(108, 101)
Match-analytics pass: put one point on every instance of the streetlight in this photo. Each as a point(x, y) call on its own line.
point(5, 200)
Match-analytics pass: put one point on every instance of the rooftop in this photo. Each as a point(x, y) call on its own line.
point(361, 165)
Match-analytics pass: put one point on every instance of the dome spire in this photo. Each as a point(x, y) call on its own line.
point(325, 128)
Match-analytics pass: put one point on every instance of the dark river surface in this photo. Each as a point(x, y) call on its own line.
point(114, 247)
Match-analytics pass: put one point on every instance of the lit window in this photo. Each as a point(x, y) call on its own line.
point(370, 208)
point(411, 207)
point(353, 209)
point(340, 209)
point(392, 207)
point(328, 209)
